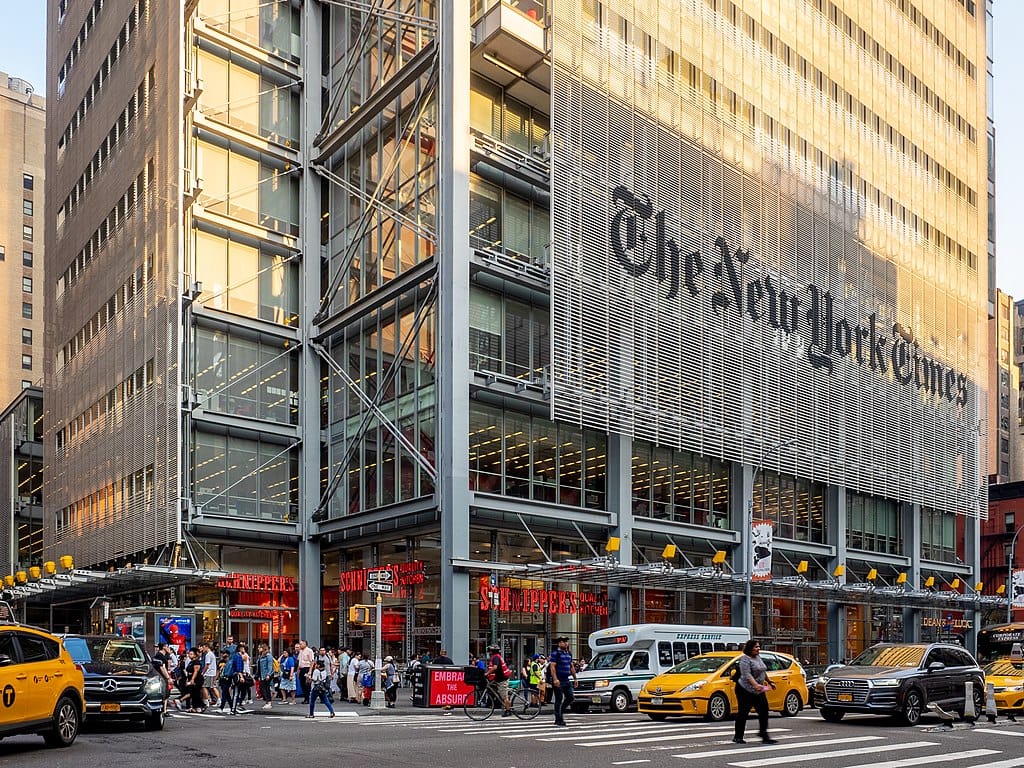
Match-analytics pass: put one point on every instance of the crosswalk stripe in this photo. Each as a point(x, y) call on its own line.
point(835, 753)
point(1015, 762)
point(998, 731)
point(519, 725)
point(576, 737)
point(573, 732)
point(923, 759)
point(767, 747)
point(666, 737)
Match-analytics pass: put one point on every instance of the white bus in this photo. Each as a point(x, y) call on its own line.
point(624, 658)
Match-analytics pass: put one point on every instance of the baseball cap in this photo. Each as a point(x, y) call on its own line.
point(535, 656)
point(389, 659)
point(562, 639)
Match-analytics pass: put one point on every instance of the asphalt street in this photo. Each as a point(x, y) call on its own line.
point(416, 737)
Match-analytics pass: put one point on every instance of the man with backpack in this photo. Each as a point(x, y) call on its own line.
point(233, 670)
point(498, 671)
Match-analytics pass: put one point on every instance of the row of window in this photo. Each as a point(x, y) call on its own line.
point(26, 257)
point(125, 37)
point(245, 478)
point(256, 379)
point(909, 10)
point(272, 25)
point(678, 485)
point(731, 101)
point(257, 190)
point(108, 311)
point(235, 93)
point(126, 206)
point(78, 43)
point(120, 396)
point(861, 111)
point(873, 524)
point(507, 336)
point(902, 72)
point(518, 455)
point(121, 128)
point(96, 510)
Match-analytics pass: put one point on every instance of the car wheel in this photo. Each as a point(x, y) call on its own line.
point(656, 718)
point(913, 708)
point(66, 721)
point(832, 715)
point(718, 708)
point(792, 705)
point(620, 700)
point(155, 721)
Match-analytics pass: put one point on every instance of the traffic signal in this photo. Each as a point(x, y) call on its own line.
point(360, 614)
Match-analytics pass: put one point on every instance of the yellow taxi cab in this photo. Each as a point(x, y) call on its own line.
point(702, 686)
point(41, 689)
point(1007, 678)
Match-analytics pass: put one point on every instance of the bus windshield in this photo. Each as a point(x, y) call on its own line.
point(610, 660)
point(997, 641)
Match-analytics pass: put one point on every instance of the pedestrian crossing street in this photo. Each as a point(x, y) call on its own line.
point(691, 742)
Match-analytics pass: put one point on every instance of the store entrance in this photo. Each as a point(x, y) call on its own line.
point(253, 632)
point(520, 646)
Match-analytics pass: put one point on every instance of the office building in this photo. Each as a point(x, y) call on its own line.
point(22, 125)
point(548, 340)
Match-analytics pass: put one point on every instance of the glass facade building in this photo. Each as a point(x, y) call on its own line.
point(458, 289)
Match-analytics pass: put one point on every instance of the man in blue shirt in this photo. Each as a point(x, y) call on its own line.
point(563, 678)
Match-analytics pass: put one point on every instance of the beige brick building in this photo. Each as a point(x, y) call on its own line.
point(22, 132)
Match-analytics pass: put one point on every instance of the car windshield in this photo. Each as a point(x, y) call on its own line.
point(612, 660)
point(890, 656)
point(110, 650)
point(1006, 667)
point(699, 665)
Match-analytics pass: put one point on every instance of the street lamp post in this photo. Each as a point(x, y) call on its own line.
point(1009, 575)
point(748, 607)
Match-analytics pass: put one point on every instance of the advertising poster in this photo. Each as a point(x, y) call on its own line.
point(1017, 588)
point(761, 557)
point(446, 687)
point(176, 631)
point(131, 625)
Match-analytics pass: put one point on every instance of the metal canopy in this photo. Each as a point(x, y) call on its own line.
point(607, 572)
point(80, 585)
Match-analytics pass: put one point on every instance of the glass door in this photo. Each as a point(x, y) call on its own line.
point(253, 632)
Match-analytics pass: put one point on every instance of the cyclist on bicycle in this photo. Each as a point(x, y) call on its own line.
point(499, 673)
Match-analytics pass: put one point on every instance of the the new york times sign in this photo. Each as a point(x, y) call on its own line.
point(641, 243)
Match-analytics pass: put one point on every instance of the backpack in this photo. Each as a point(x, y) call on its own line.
point(277, 667)
point(734, 673)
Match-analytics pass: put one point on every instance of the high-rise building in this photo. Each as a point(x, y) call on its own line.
point(22, 126)
point(1004, 386)
point(564, 312)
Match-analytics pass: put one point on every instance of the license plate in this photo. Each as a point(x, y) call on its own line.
point(657, 701)
point(110, 707)
point(595, 699)
point(845, 697)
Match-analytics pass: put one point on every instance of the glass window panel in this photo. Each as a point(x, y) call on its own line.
point(243, 261)
point(517, 455)
point(517, 339)
point(570, 466)
point(211, 269)
point(484, 330)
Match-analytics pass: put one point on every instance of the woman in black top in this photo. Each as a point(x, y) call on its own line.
point(194, 673)
point(751, 690)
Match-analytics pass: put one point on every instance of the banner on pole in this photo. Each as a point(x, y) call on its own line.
point(761, 554)
point(1017, 588)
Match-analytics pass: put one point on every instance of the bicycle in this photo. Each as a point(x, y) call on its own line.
point(481, 702)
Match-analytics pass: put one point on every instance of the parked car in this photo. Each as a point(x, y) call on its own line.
point(1007, 678)
point(901, 680)
point(120, 681)
point(702, 686)
point(41, 688)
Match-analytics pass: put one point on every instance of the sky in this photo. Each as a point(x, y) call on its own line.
point(22, 54)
